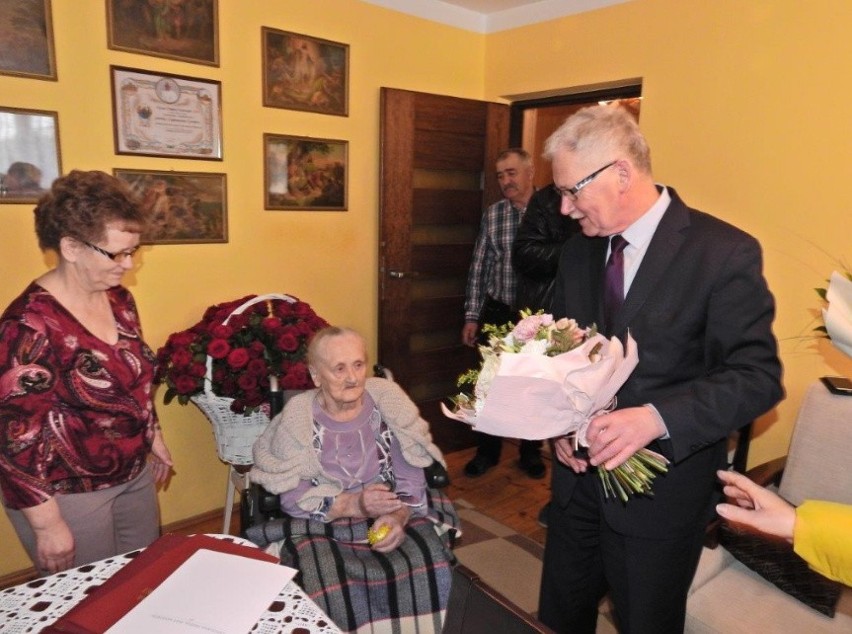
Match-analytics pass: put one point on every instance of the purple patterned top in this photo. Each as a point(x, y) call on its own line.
point(76, 413)
point(350, 452)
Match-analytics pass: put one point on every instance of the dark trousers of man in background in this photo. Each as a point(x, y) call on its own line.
point(489, 447)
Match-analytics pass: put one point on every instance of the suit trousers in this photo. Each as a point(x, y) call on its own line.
point(647, 579)
point(104, 523)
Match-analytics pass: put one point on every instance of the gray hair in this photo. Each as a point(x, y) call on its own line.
point(317, 341)
point(605, 130)
point(520, 152)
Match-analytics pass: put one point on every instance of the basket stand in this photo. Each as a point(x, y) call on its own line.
point(234, 433)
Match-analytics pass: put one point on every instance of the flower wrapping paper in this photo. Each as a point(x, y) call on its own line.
point(838, 316)
point(535, 397)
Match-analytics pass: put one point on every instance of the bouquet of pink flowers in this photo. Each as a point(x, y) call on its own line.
point(542, 378)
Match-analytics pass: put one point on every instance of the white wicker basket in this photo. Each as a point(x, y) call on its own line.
point(235, 433)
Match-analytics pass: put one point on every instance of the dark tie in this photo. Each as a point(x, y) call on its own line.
point(613, 294)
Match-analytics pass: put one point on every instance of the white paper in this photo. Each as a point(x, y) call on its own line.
point(838, 315)
point(211, 592)
point(536, 397)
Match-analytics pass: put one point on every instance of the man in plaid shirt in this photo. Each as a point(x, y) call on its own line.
point(491, 287)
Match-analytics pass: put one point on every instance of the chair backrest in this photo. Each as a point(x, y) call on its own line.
point(817, 464)
point(477, 608)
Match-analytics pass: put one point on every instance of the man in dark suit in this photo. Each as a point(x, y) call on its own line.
point(535, 256)
point(695, 300)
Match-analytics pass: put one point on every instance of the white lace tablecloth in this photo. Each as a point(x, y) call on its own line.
point(29, 607)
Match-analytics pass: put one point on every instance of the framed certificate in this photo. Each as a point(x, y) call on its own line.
point(158, 114)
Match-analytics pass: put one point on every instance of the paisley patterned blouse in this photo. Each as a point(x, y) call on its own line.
point(76, 413)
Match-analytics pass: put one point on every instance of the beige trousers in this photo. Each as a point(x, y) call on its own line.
point(104, 523)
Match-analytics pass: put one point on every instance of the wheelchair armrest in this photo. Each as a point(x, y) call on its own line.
point(268, 503)
point(257, 506)
point(436, 476)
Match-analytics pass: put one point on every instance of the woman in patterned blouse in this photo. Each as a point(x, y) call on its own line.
point(80, 445)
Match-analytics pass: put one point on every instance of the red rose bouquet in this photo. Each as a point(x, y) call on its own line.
point(242, 353)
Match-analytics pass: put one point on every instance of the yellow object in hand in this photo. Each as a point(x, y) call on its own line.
point(375, 535)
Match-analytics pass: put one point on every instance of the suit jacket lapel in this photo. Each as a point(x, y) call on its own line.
point(663, 249)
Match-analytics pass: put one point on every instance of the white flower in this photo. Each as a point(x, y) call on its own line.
point(490, 365)
point(543, 380)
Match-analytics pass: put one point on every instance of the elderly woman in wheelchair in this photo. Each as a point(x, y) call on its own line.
point(370, 540)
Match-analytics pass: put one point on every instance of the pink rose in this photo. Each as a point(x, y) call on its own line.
point(526, 329)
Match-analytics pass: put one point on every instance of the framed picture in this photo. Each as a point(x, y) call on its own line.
point(305, 73)
point(26, 39)
point(187, 30)
point(304, 174)
point(181, 207)
point(157, 114)
point(29, 154)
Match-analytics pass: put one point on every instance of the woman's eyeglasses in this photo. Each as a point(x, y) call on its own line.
point(115, 257)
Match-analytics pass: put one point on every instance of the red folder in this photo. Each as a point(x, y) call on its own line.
point(110, 601)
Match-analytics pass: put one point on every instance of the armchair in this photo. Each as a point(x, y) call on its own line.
point(726, 595)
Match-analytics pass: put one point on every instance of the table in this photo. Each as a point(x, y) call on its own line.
point(29, 607)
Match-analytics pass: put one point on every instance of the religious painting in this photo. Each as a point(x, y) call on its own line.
point(305, 73)
point(180, 207)
point(186, 30)
point(26, 39)
point(305, 174)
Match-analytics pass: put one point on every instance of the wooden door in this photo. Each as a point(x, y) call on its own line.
point(437, 175)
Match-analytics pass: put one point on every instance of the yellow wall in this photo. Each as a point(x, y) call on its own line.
point(745, 108)
point(328, 259)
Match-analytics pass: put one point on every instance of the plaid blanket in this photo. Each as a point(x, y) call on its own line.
point(405, 590)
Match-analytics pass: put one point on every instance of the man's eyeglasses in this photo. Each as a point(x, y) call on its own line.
point(571, 192)
point(115, 257)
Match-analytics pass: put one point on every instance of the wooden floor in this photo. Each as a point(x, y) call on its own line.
point(504, 493)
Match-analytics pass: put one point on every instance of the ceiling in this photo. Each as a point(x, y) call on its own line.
point(488, 16)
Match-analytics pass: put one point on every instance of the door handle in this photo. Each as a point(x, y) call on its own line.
point(401, 274)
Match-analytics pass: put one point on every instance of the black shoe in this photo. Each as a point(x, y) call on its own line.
point(478, 466)
point(533, 465)
point(543, 515)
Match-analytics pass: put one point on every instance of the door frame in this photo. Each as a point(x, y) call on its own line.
point(631, 89)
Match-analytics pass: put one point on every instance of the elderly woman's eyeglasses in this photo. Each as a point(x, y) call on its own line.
point(115, 257)
point(571, 192)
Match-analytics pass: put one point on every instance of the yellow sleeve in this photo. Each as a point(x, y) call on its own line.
point(823, 538)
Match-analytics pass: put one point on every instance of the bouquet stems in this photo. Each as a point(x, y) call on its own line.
point(633, 477)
